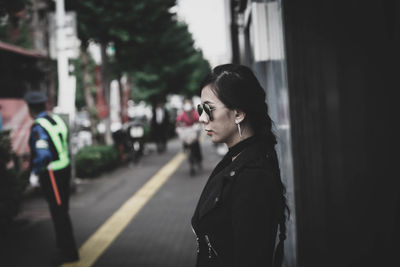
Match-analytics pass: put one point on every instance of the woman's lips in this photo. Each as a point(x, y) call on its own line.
point(209, 132)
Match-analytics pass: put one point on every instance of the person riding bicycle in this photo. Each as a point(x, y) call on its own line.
point(188, 129)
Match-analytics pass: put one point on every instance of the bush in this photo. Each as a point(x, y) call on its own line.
point(12, 182)
point(91, 161)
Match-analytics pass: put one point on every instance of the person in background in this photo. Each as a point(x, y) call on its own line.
point(160, 126)
point(243, 203)
point(50, 161)
point(187, 123)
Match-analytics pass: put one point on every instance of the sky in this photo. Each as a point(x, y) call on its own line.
point(208, 25)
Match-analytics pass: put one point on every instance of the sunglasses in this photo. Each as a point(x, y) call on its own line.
point(206, 108)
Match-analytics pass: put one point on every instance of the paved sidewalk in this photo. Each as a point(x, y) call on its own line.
point(159, 235)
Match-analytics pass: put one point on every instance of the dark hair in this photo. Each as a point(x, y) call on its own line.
point(238, 88)
point(37, 108)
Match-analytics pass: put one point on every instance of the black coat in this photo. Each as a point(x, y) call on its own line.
point(236, 218)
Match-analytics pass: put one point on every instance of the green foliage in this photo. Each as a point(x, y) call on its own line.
point(22, 39)
point(12, 183)
point(16, 30)
point(199, 69)
point(150, 44)
point(79, 94)
point(111, 21)
point(91, 161)
point(78, 73)
point(182, 78)
point(173, 66)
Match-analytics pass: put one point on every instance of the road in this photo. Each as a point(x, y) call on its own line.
point(137, 215)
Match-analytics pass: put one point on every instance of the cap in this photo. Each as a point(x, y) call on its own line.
point(35, 97)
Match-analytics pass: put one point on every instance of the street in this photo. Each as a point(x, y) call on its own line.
point(158, 233)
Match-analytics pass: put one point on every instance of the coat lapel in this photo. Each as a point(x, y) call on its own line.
point(211, 195)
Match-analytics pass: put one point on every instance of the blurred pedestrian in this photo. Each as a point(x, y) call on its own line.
point(50, 161)
point(243, 203)
point(188, 129)
point(160, 126)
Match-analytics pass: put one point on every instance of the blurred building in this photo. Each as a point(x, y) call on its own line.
point(257, 41)
point(24, 65)
point(329, 70)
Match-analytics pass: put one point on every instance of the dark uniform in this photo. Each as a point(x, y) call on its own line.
point(160, 129)
point(49, 153)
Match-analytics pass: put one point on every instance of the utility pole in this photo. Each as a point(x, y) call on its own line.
point(66, 83)
point(66, 86)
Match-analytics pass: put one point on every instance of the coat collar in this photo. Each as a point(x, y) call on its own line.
point(213, 189)
point(41, 115)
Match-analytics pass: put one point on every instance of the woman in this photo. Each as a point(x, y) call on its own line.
point(237, 217)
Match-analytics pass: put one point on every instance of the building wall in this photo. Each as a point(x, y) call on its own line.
point(332, 96)
point(24, 61)
point(24, 66)
point(260, 45)
point(341, 63)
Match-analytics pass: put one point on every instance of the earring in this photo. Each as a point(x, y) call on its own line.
point(239, 130)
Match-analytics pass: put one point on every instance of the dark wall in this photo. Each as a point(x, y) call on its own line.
point(15, 73)
point(343, 74)
point(20, 73)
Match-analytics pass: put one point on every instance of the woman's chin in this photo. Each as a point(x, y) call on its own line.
point(214, 139)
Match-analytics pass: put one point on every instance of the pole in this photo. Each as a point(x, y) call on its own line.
point(55, 188)
point(62, 59)
point(66, 89)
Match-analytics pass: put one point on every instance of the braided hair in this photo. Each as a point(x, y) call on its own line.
point(238, 88)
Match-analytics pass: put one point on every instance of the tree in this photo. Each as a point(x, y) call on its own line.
point(117, 21)
point(168, 63)
point(83, 70)
point(150, 45)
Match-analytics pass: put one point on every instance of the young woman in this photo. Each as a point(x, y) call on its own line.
point(243, 204)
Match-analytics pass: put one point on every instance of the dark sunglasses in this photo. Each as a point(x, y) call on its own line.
point(206, 108)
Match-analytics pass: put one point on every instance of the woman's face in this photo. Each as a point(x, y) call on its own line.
point(222, 129)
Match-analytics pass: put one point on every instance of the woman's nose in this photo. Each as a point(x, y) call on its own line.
point(203, 118)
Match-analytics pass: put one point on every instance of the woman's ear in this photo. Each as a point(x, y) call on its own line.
point(239, 116)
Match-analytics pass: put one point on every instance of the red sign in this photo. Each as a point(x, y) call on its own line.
point(101, 104)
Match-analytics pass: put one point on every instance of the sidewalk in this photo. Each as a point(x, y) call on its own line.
point(159, 235)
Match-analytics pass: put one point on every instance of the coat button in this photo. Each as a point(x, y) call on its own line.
point(232, 173)
point(216, 199)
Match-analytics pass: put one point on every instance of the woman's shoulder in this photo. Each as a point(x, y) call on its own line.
point(261, 162)
point(260, 169)
point(256, 180)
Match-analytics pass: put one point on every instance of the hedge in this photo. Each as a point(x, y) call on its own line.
point(91, 161)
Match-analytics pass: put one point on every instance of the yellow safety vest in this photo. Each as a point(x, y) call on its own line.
point(59, 136)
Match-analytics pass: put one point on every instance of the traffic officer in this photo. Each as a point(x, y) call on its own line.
point(50, 161)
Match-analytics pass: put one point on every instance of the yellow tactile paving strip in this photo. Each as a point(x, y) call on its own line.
point(92, 249)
